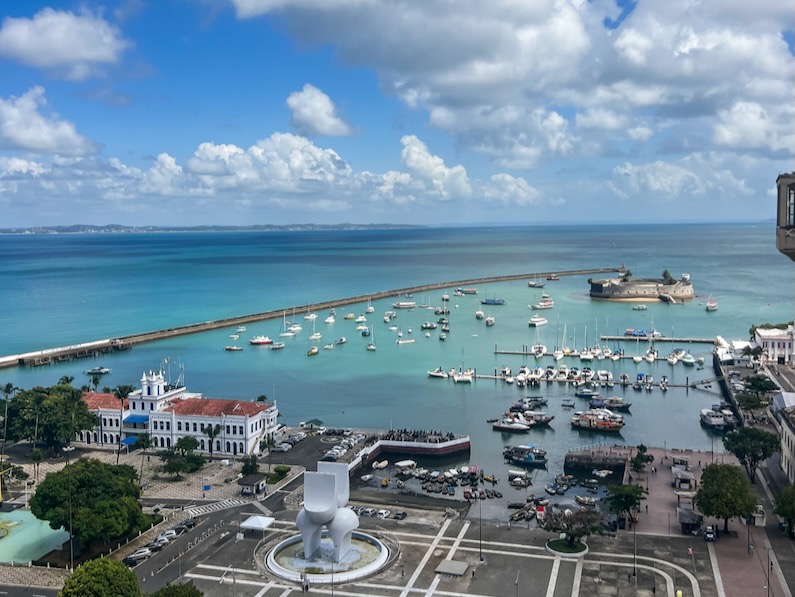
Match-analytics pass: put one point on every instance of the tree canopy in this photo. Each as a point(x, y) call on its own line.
point(759, 384)
point(103, 497)
point(102, 577)
point(51, 415)
point(640, 460)
point(751, 446)
point(785, 507)
point(725, 492)
point(624, 498)
point(575, 525)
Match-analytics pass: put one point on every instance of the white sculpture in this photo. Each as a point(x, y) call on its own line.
point(325, 494)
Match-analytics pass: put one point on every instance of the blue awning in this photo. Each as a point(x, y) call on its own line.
point(128, 441)
point(137, 419)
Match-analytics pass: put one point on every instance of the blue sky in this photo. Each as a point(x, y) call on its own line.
point(233, 112)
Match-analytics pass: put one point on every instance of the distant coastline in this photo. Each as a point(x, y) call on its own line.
point(118, 229)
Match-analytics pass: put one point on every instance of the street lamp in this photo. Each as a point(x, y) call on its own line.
point(480, 529)
point(68, 449)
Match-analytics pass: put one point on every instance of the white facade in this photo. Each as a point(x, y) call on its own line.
point(788, 443)
point(167, 414)
point(776, 344)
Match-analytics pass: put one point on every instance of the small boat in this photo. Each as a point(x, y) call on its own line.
point(639, 308)
point(553, 277)
point(328, 347)
point(385, 482)
point(233, 348)
point(537, 321)
point(366, 477)
point(241, 329)
point(544, 303)
point(442, 337)
point(492, 301)
point(490, 321)
point(404, 341)
point(260, 341)
point(479, 315)
point(712, 304)
point(341, 340)
point(98, 371)
point(234, 336)
point(567, 403)
point(438, 372)
point(585, 500)
point(511, 426)
point(312, 351)
point(277, 345)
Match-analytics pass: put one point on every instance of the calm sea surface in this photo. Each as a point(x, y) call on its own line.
point(65, 289)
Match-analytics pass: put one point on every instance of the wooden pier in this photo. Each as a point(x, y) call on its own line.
point(89, 349)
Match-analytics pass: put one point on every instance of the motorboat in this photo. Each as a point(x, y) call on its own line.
point(612, 402)
point(438, 372)
point(567, 403)
point(553, 277)
point(404, 341)
point(380, 464)
point(537, 321)
point(260, 341)
point(712, 419)
point(639, 308)
point(330, 319)
point(510, 425)
point(544, 303)
point(366, 477)
point(404, 304)
point(429, 325)
point(241, 329)
point(328, 347)
point(479, 314)
point(341, 340)
point(585, 500)
point(688, 360)
point(277, 345)
point(538, 417)
point(490, 321)
point(97, 371)
point(492, 301)
point(312, 351)
point(233, 348)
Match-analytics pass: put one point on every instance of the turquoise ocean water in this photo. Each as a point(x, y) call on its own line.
point(64, 289)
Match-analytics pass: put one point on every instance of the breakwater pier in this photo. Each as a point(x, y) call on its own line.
point(48, 356)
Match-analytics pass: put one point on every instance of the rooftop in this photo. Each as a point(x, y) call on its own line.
point(95, 400)
point(214, 407)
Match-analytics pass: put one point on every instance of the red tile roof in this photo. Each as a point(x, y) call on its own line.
point(95, 400)
point(212, 407)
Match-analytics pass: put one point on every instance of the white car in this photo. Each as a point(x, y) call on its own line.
point(383, 514)
point(140, 554)
point(168, 535)
point(285, 447)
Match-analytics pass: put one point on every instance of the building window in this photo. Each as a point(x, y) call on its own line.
point(133, 405)
point(168, 425)
point(168, 442)
point(179, 425)
point(151, 406)
point(200, 427)
point(790, 206)
point(227, 430)
point(201, 445)
point(194, 428)
point(240, 430)
point(104, 422)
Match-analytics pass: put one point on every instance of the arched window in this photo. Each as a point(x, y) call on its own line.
point(104, 438)
point(201, 444)
point(218, 445)
point(168, 442)
point(228, 447)
point(241, 447)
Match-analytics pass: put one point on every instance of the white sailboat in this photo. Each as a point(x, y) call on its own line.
point(586, 354)
point(315, 335)
point(558, 353)
point(462, 375)
point(286, 333)
point(371, 343)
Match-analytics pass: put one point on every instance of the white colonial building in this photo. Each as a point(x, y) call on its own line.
point(168, 413)
point(777, 345)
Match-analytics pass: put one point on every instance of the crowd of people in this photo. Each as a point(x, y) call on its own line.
point(418, 435)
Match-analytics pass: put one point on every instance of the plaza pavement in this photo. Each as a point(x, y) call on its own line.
point(654, 548)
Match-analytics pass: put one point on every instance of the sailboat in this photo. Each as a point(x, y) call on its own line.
point(637, 358)
point(315, 335)
point(712, 304)
point(558, 353)
point(286, 333)
point(462, 376)
point(586, 354)
point(371, 343)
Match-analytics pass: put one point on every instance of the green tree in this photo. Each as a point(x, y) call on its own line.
point(250, 464)
point(121, 392)
point(785, 507)
point(143, 442)
point(8, 391)
point(186, 445)
point(102, 577)
point(66, 380)
point(624, 498)
point(725, 493)
point(177, 591)
point(575, 525)
point(262, 398)
point(758, 384)
point(668, 278)
point(641, 459)
point(751, 446)
point(103, 497)
point(212, 431)
point(95, 379)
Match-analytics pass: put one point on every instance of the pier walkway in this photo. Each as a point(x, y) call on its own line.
point(65, 353)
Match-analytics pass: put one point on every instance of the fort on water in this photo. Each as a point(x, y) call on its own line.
point(625, 287)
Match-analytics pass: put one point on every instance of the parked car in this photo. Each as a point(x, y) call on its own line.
point(709, 534)
point(283, 448)
point(140, 554)
point(368, 512)
point(179, 529)
point(383, 514)
point(168, 535)
point(399, 515)
point(188, 522)
point(157, 544)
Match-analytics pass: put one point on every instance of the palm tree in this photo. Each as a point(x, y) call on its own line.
point(143, 443)
point(66, 380)
point(212, 433)
point(36, 457)
point(8, 391)
point(95, 381)
point(121, 393)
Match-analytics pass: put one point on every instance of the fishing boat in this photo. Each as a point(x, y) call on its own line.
point(612, 402)
point(600, 419)
point(260, 341)
point(567, 403)
point(492, 301)
point(553, 277)
point(545, 303)
point(585, 500)
point(233, 348)
point(526, 455)
point(712, 304)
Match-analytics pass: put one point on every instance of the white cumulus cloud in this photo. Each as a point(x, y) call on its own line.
point(431, 171)
point(315, 114)
point(74, 45)
point(24, 127)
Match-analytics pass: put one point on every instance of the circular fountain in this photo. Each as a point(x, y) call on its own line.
point(366, 556)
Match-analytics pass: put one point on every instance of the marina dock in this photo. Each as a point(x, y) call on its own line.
point(95, 348)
